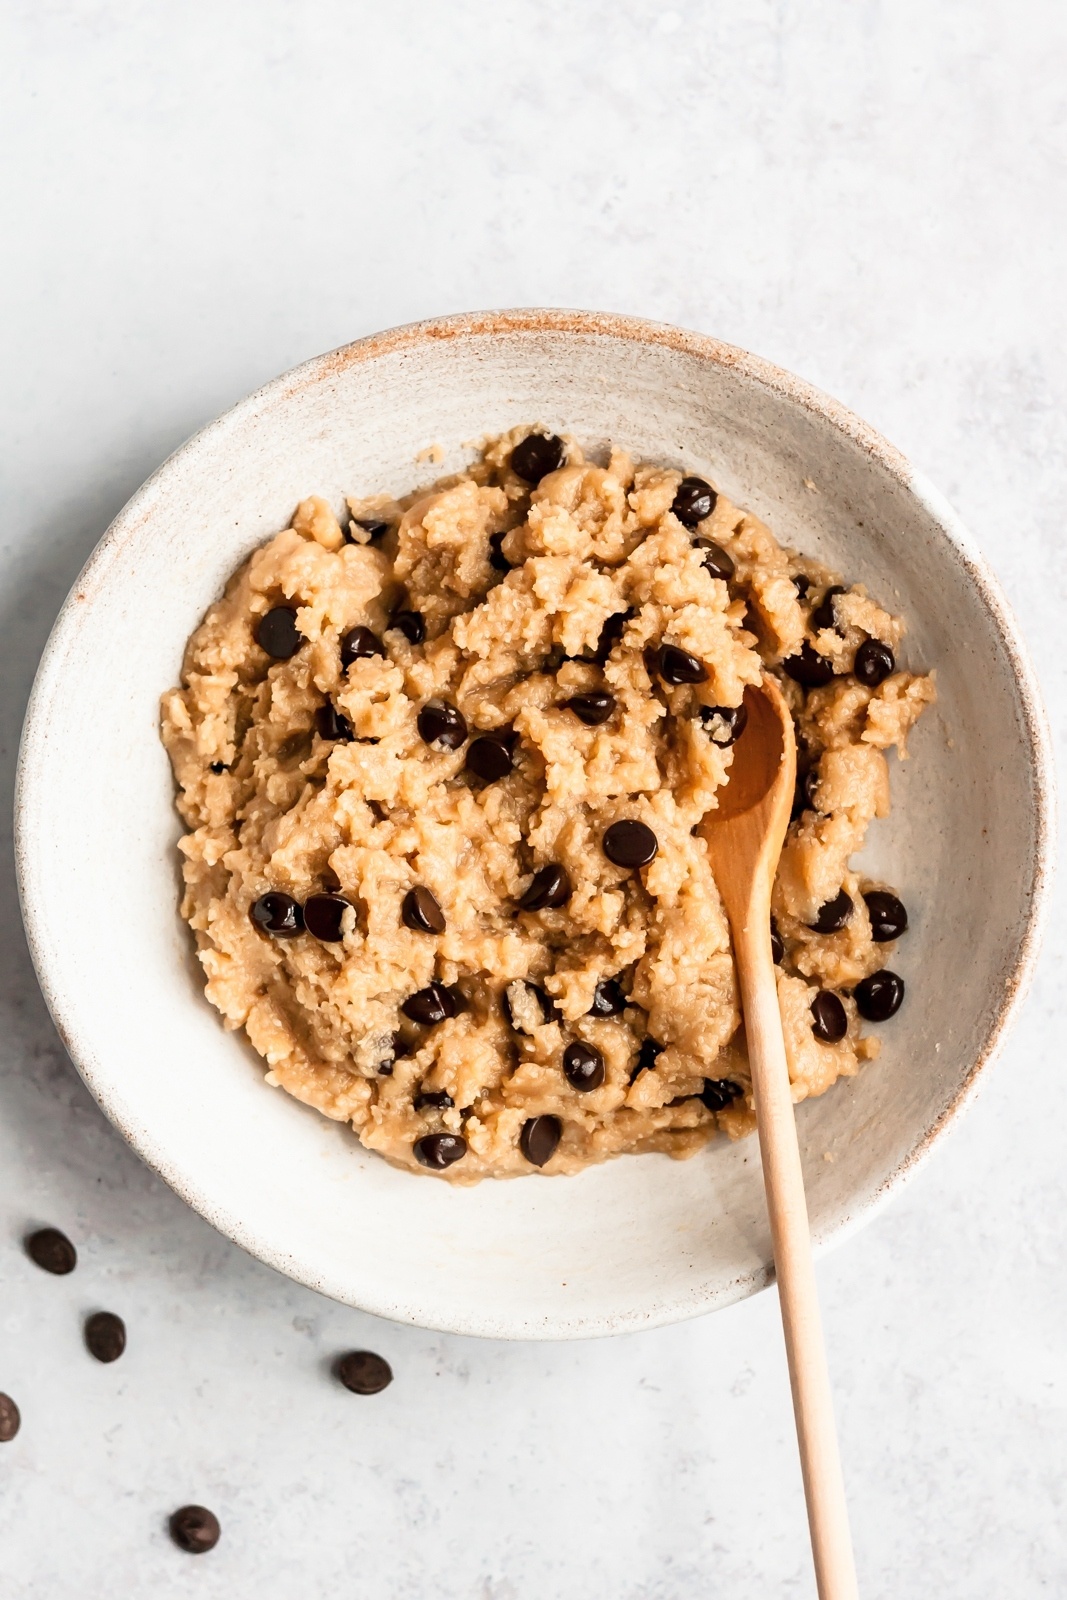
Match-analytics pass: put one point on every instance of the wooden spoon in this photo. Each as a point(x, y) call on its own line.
point(744, 839)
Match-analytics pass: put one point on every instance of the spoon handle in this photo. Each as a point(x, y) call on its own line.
point(824, 1489)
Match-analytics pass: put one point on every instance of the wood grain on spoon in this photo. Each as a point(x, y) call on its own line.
point(744, 838)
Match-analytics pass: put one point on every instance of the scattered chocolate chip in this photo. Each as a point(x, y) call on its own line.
point(324, 916)
point(888, 916)
point(440, 1150)
point(724, 725)
point(676, 665)
point(801, 584)
point(218, 766)
point(693, 501)
point(825, 613)
point(497, 559)
point(431, 1005)
point(518, 1014)
point(359, 643)
point(539, 1138)
point(630, 843)
point(808, 668)
point(277, 913)
point(592, 709)
point(719, 562)
point(534, 457)
point(440, 723)
point(551, 887)
point(412, 624)
point(277, 634)
point(372, 525)
point(874, 662)
point(610, 634)
point(333, 724)
point(583, 1067)
point(489, 758)
point(52, 1251)
point(777, 947)
point(432, 1100)
point(105, 1336)
point(195, 1529)
point(718, 1093)
point(608, 999)
point(828, 1020)
point(879, 997)
point(10, 1420)
point(647, 1056)
point(421, 912)
point(363, 1372)
point(833, 915)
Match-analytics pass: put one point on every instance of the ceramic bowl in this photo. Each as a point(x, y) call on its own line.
point(639, 1241)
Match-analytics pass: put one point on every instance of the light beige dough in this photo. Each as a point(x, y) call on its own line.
point(272, 805)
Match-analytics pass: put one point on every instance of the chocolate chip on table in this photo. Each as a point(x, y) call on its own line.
point(277, 634)
point(610, 634)
point(718, 1093)
point(551, 887)
point(439, 1150)
point(888, 916)
point(52, 1251)
point(777, 947)
point(808, 667)
point(421, 912)
point(105, 1336)
point(10, 1420)
point(608, 999)
point(372, 525)
point(647, 1056)
point(630, 843)
point(412, 624)
point(724, 725)
point(333, 724)
point(825, 614)
point(324, 916)
point(195, 1529)
point(432, 1100)
point(534, 457)
point(440, 723)
point(833, 915)
point(592, 709)
point(489, 758)
point(497, 559)
point(363, 1372)
point(539, 1138)
point(693, 501)
point(879, 997)
point(583, 1067)
point(828, 1020)
point(358, 644)
point(277, 913)
point(719, 562)
point(676, 665)
point(874, 662)
point(431, 1005)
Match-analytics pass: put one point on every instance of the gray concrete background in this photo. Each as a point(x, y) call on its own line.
point(196, 197)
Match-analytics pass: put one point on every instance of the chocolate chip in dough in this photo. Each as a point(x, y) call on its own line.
point(497, 559)
point(439, 1150)
point(105, 1336)
point(195, 1529)
point(489, 758)
point(833, 915)
point(10, 1420)
point(526, 1005)
point(277, 913)
point(777, 947)
point(421, 912)
point(432, 1100)
point(277, 633)
point(874, 662)
point(630, 843)
point(647, 1056)
point(888, 916)
point(371, 525)
point(610, 634)
point(801, 584)
point(583, 1066)
point(52, 1251)
point(324, 916)
point(592, 709)
point(551, 887)
point(358, 644)
point(718, 562)
point(825, 613)
point(808, 667)
point(440, 723)
point(676, 665)
point(333, 724)
point(724, 725)
point(718, 1093)
point(608, 999)
point(363, 1372)
point(828, 1020)
point(879, 997)
point(217, 767)
point(693, 501)
point(431, 1005)
point(412, 624)
point(534, 457)
point(539, 1138)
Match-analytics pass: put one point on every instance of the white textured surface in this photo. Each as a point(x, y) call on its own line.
point(870, 195)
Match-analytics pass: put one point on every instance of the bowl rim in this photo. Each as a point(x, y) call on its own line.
point(616, 326)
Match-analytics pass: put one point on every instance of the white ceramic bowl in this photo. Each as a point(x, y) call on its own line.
point(642, 1240)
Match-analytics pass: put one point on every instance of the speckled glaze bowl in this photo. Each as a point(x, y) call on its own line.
point(642, 1240)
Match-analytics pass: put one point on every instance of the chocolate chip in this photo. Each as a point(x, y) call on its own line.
point(888, 916)
point(412, 624)
point(719, 562)
point(539, 1138)
point(277, 913)
point(363, 1372)
point(359, 643)
point(333, 724)
point(718, 1093)
point(431, 1005)
point(879, 997)
point(497, 559)
point(647, 1056)
point(592, 709)
point(809, 787)
point(52, 1251)
point(105, 1336)
point(801, 584)
point(277, 634)
point(10, 1420)
point(195, 1529)
point(554, 660)
point(777, 947)
point(724, 725)
point(440, 723)
point(440, 1150)
point(693, 501)
point(825, 613)
point(808, 668)
point(432, 1100)
point(218, 766)
point(874, 662)
point(489, 758)
point(551, 887)
point(372, 525)
point(676, 665)
point(421, 911)
point(833, 915)
point(630, 843)
point(583, 1067)
point(537, 455)
point(519, 1015)
point(828, 1020)
point(324, 916)
point(608, 999)
point(610, 634)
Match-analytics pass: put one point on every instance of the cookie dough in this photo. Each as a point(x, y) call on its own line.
point(442, 770)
